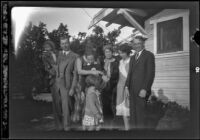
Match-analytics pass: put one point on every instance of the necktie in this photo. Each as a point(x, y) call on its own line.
point(54, 57)
point(136, 55)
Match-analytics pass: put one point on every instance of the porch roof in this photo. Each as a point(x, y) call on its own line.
point(125, 17)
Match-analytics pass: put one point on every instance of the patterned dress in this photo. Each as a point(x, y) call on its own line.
point(92, 108)
point(122, 105)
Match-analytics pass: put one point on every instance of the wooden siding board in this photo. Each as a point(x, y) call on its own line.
point(172, 70)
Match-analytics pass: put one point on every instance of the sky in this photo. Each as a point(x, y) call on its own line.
point(77, 20)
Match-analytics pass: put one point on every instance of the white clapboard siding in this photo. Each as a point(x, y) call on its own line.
point(172, 69)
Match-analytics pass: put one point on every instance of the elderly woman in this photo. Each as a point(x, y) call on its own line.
point(49, 58)
point(110, 66)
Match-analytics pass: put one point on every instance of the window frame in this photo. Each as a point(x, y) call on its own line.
point(185, 20)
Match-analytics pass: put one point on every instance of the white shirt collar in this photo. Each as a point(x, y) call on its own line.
point(139, 53)
point(66, 52)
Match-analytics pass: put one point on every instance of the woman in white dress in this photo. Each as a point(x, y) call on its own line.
point(122, 102)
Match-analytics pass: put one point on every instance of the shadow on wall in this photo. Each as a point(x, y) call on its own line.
point(162, 97)
point(166, 114)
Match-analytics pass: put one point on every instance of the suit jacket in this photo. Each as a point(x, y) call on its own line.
point(141, 73)
point(114, 70)
point(67, 72)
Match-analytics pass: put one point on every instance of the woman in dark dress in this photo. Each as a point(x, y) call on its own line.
point(86, 65)
point(111, 73)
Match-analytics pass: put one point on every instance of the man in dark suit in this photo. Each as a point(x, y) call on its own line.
point(66, 79)
point(140, 79)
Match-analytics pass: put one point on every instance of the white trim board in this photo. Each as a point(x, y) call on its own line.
point(185, 16)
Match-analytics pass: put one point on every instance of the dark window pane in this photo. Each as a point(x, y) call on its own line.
point(170, 36)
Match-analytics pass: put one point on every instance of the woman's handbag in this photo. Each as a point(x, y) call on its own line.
point(126, 98)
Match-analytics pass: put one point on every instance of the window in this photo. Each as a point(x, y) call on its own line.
point(170, 36)
point(171, 32)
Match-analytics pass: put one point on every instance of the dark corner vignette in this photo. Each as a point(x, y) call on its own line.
point(194, 72)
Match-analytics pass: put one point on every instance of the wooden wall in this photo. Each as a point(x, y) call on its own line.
point(172, 70)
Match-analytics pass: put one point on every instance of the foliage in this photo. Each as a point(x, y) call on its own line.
point(29, 64)
point(167, 115)
point(81, 35)
point(77, 47)
point(55, 35)
point(176, 117)
point(98, 31)
point(112, 36)
point(155, 111)
point(94, 41)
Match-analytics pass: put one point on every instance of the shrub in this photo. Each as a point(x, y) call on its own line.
point(176, 117)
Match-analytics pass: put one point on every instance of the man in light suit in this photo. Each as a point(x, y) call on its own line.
point(66, 79)
point(140, 79)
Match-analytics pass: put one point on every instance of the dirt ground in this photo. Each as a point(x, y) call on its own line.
point(29, 119)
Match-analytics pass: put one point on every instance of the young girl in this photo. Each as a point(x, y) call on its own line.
point(93, 116)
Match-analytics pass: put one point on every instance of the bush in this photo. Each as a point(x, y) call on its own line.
point(176, 117)
point(167, 116)
point(155, 111)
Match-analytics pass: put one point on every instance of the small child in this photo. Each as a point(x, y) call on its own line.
point(93, 116)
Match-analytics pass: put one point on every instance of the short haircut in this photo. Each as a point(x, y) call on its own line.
point(50, 43)
point(141, 38)
point(93, 80)
point(64, 38)
point(126, 48)
point(108, 47)
point(89, 51)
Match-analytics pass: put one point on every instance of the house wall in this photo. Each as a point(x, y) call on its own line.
point(172, 69)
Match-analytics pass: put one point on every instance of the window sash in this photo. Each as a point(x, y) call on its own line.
point(170, 36)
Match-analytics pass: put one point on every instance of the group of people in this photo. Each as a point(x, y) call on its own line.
point(88, 89)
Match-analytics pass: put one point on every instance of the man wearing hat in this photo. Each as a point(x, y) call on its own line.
point(140, 79)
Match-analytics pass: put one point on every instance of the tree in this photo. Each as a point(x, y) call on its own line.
point(55, 35)
point(98, 31)
point(112, 36)
point(76, 46)
point(81, 35)
point(98, 40)
point(29, 62)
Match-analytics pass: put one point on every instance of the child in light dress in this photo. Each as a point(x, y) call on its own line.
point(93, 115)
